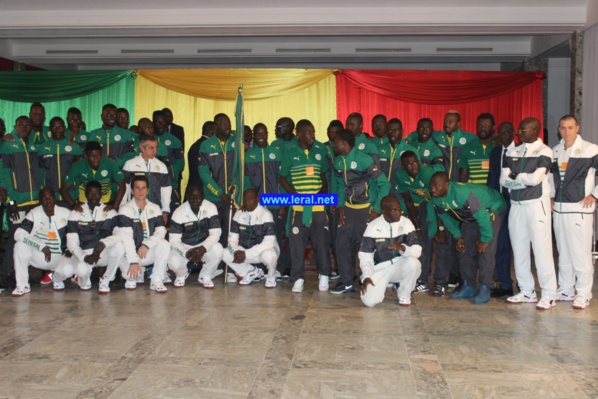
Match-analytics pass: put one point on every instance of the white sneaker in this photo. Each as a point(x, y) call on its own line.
point(158, 286)
point(565, 296)
point(180, 281)
point(131, 285)
point(581, 302)
point(20, 291)
point(522, 297)
point(207, 282)
point(298, 286)
point(248, 278)
point(140, 279)
point(271, 282)
point(323, 284)
point(231, 278)
point(167, 279)
point(86, 286)
point(58, 285)
point(404, 301)
point(105, 285)
point(278, 276)
point(545, 303)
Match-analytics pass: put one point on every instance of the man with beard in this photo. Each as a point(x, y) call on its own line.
point(474, 160)
point(39, 133)
point(284, 134)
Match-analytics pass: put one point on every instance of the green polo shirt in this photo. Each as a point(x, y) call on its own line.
point(108, 173)
point(418, 186)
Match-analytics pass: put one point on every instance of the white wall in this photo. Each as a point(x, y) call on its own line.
point(559, 82)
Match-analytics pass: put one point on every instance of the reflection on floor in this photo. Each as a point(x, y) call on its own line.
point(250, 342)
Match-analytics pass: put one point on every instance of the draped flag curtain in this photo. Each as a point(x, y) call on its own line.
point(269, 94)
point(59, 90)
point(411, 95)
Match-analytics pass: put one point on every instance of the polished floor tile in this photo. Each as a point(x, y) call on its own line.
point(249, 342)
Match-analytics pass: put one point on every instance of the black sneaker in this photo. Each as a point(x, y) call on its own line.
point(341, 289)
point(439, 290)
point(421, 287)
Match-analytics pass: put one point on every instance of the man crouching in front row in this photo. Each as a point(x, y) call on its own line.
point(389, 253)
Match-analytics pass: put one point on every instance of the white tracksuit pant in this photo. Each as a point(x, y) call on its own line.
point(110, 257)
point(24, 255)
point(531, 223)
point(156, 255)
point(211, 259)
point(268, 257)
point(573, 232)
point(403, 269)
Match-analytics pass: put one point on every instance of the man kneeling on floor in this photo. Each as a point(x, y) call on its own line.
point(194, 235)
point(142, 232)
point(91, 241)
point(389, 253)
point(40, 241)
point(252, 240)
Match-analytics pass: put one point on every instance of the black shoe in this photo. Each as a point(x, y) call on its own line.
point(439, 290)
point(500, 292)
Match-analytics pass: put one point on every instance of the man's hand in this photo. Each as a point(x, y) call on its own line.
point(481, 247)
point(13, 212)
point(226, 199)
point(364, 286)
point(77, 207)
point(588, 201)
point(282, 213)
point(3, 194)
point(67, 254)
point(460, 245)
point(98, 249)
point(108, 207)
point(396, 246)
point(341, 216)
point(513, 175)
point(47, 254)
point(91, 259)
point(195, 255)
point(239, 257)
point(165, 217)
point(8, 137)
point(135, 271)
point(142, 251)
point(440, 237)
point(373, 215)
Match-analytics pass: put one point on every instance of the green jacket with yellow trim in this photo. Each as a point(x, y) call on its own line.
point(20, 171)
point(467, 203)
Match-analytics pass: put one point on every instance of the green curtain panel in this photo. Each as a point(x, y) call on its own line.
point(31, 86)
point(120, 92)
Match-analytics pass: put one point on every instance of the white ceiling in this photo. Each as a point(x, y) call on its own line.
point(110, 34)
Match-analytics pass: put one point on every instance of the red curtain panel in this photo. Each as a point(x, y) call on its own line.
point(411, 95)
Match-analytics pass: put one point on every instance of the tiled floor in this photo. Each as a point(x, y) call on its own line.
point(249, 342)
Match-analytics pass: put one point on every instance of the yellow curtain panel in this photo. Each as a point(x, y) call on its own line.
point(269, 95)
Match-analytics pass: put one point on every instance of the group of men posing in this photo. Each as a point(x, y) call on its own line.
point(468, 198)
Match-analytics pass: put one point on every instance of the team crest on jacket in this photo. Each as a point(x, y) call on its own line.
point(68, 148)
point(32, 148)
point(117, 137)
point(361, 146)
point(353, 165)
point(168, 142)
point(83, 137)
point(426, 153)
point(295, 230)
point(462, 140)
point(104, 173)
point(272, 156)
point(318, 157)
point(577, 152)
point(232, 144)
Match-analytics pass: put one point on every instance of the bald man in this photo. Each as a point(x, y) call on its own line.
point(525, 173)
point(389, 253)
